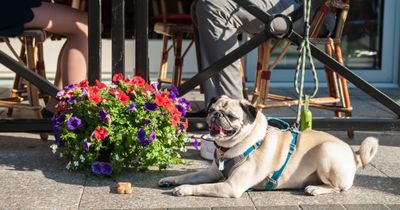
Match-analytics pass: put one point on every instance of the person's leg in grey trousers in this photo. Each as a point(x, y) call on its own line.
point(218, 23)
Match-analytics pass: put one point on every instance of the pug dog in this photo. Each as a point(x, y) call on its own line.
point(320, 162)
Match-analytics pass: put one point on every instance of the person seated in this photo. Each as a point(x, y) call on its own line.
point(219, 23)
point(18, 15)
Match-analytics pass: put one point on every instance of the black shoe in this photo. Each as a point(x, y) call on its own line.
point(201, 113)
point(46, 113)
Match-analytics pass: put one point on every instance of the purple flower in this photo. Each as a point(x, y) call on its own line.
point(131, 107)
point(73, 123)
point(141, 135)
point(196, 144)
point(102, 115)
point(151, 107)
point(86, 145)
point(174, 92)
point(72, 99)
point(103, 168)
point(185, 103)
point(69, 87)
point(60, 94)
point(58, 140)
point(181, 109)
point(146, 121)
point(155, 85)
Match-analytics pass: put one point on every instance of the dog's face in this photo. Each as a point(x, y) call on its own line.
point(229, 120)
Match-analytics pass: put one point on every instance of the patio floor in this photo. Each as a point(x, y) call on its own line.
point(31, 177)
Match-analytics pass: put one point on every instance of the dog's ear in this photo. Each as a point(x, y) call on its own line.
point(212, 101)
point(250, 111)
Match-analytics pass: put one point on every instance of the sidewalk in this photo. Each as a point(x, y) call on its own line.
point(31, 177)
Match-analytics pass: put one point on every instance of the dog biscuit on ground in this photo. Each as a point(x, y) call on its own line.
point(124, 188)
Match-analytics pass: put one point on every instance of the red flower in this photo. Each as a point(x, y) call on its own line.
point(136, 80)
point(148, 88)
point(117, 77)
point(94, 95)
point(163, 100)
point(176, 115)
point(83, 84)
point(100, 134)
point(123, 97)
point(186, 124)
point(100, 84)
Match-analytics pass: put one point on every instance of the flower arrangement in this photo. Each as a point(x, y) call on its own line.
point(128, 124)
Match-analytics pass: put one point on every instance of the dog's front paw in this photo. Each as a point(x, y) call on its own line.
point(183, 190)
point(167, 182)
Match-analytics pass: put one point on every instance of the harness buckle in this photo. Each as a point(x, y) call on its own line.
point(292, 149)
point(272, 181)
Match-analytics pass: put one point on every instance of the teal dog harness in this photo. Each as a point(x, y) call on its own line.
point(226, 166)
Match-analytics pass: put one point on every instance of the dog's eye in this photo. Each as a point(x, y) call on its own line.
point(211, 110)
point(231, 116)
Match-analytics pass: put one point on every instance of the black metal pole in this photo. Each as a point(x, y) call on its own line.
point(118, 37)
point(142, 38)
point(94, 21)
point(222, 63)
point(28, 74)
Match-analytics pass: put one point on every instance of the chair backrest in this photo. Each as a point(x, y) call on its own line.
point(340, 8)
point(160, 9)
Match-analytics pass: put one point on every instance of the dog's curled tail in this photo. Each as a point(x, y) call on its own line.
point(368, 149)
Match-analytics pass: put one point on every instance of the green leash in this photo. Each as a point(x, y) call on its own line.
point(305, 52)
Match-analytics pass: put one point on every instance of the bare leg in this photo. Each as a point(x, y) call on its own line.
point(61, 19)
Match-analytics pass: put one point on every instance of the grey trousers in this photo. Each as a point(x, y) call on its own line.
point(218, 23)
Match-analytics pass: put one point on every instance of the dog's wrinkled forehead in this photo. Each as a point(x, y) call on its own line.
point(227, 105)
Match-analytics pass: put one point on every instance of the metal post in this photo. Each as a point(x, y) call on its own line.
point(118, 37)
point(142, 38)
point(94, 21)
point(28, 74)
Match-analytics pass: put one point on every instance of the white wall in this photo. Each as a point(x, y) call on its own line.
point(53, 47)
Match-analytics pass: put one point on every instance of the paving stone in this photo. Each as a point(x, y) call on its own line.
point(365, 207)
point(278, 208)
point(393, 206)
point(322, 207)
point(189, 208)
point(234, 208)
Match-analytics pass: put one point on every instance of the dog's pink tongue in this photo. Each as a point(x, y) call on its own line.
point(221, 131)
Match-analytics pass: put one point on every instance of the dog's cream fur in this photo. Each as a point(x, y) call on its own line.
point(321, 163)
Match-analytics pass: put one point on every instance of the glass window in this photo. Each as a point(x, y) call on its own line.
point(361, 39)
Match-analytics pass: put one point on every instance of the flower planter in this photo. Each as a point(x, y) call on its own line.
point(127, 124)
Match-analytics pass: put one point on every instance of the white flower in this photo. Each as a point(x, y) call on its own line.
point(82, 158)
point(68, 165)
point(76, 163)
point(61, 155)
point(116, 157)
point(183, 149)
point(54, 148)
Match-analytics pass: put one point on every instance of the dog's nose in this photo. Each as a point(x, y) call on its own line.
point(218, 114)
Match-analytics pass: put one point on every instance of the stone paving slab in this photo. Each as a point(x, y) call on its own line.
point(31, 177)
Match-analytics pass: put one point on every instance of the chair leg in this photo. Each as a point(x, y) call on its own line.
point(265, 73)
point(178, 64)
point(40, 68)
point(331, 78)
point(244, 87)
point(256, 90)
point(345, 90)
point(162, 76)
point(33, 92)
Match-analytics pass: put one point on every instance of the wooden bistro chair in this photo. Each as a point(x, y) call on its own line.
point(175, 26)
point(31, 54)
point(338, 99)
